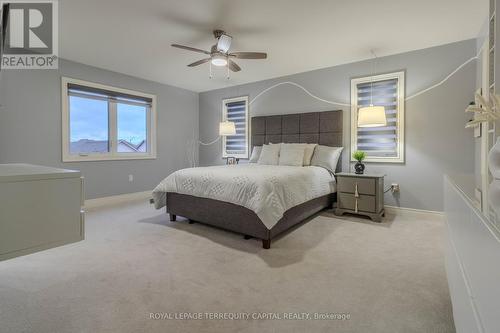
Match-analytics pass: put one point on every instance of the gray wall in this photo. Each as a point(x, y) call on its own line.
point(30, 127)
point(436, 141)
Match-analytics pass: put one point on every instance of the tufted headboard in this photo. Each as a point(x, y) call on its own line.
point(324, 128)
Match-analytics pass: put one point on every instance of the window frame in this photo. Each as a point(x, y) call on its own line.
point(113, 154)
point(400, 122)
point(224, 117)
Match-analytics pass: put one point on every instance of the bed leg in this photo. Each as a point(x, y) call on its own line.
point(173, 217)
point(266, 244)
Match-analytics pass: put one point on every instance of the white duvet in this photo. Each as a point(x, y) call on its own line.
point(267, 190)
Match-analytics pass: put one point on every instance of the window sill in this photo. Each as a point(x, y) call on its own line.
point(382, 160)
point(94, 158)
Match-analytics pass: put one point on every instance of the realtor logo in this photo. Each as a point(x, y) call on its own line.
point(30, 35)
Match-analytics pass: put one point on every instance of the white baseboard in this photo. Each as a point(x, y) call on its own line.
point(397, 210)
point(116, 199)
point(122, 198)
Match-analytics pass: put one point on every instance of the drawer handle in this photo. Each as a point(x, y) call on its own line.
point(82, 191)
point(356, 195)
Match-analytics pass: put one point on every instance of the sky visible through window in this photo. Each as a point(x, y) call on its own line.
point(131, 123)
point(89, 121)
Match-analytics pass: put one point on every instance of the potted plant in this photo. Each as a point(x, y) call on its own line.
point(359, 156)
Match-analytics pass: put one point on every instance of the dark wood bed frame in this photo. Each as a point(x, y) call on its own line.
point(324, 128)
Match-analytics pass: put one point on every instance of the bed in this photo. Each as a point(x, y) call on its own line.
point(259, 201)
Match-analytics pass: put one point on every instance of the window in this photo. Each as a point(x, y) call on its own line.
point(236, 110)
point(382, 144)
point(106, 123)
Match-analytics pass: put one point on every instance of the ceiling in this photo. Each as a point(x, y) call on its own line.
point(134, 37)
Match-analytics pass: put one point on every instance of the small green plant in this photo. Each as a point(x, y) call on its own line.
point(359, 155)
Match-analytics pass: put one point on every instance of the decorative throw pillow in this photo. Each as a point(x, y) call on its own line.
point(308, 151)
point(292, 154)
point(254, 158)
point(269, 154)
point(326, 157)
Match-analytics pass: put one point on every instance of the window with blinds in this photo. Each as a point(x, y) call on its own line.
point(106, 123)
point(381, 144)
point(236, 110)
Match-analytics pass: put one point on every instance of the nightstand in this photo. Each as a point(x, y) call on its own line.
point(360, 194)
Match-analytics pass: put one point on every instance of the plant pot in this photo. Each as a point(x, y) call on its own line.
point(359, 168)
point(494, 159)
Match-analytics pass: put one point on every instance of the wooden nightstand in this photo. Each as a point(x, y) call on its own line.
point(360, 194)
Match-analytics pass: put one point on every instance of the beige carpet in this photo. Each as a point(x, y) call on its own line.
point(387, 277)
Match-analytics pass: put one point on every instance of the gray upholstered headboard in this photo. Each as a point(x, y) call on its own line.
point(324, 128)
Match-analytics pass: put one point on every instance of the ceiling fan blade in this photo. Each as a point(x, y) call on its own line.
point(190, 48)
point(234, 66)
point(249, 55)
point(199, 62)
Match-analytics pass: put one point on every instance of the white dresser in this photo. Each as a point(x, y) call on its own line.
point(40, 208)
point(472, 259)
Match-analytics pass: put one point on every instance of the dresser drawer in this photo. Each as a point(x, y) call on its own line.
point(348, 185)
point(366, 203)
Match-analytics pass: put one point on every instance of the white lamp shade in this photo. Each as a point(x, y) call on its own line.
point(372, 116)
point(227, 128)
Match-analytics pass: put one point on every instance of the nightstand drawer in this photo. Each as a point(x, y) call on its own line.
point(366, 203)
point(348, 184)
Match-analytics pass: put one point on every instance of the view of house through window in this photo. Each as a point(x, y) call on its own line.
point(132, 128)
point(89, 126)
point(106, 122)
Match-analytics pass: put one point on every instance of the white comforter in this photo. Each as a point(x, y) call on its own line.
point(267, 190)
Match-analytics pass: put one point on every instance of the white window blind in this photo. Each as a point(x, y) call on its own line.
point(236, 110)
point(382, 144)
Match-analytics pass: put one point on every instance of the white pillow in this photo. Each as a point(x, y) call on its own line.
point(254, 158)
point(308, 151)
point(292, 154)
point(326, 157)
point(270, 154)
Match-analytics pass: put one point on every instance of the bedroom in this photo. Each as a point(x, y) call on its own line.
point(249, 166)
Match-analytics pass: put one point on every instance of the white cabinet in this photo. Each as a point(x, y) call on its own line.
point(472, 263)
point(40, 208)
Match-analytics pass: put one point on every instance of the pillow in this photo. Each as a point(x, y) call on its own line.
point(255, 154)
point(308, 152)
point(270, 154)
point(326, 157)
point(291, 154)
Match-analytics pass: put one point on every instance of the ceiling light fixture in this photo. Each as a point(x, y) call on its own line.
point(219, 54)
point(224, 42)
point(219, 60)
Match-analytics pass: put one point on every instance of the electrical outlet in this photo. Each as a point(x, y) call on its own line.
point(130, 178)
point(394, 187)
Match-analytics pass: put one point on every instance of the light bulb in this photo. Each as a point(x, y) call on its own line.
point(219, 60)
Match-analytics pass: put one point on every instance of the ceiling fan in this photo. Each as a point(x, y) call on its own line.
point(220, 55)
